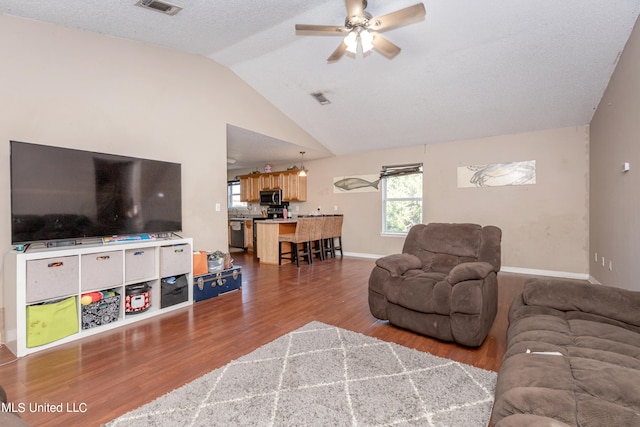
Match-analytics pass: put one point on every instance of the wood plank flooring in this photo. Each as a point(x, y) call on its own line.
point(104, 376)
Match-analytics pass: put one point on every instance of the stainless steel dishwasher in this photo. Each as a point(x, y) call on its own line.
point(236, 234)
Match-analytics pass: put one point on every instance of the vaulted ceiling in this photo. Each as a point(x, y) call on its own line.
point(470, 69)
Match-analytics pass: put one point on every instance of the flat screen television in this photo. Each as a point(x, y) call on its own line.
point(67, 194)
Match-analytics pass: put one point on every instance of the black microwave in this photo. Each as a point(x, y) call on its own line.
point(270, 197)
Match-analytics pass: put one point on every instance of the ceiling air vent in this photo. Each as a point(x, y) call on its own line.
point(319, 96)
point(159, 6)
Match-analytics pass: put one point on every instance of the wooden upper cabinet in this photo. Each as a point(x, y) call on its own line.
point(271, 181)
point(295, 189)
point(250, 188)
point(293, 186)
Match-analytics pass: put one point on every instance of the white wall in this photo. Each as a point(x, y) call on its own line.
point(71, 88)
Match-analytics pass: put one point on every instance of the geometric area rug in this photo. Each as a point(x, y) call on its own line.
point(324, 375)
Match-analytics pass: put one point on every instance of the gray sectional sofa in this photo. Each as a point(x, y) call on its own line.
point(573, 357)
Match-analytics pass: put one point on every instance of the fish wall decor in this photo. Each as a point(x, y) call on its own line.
point(356, 184)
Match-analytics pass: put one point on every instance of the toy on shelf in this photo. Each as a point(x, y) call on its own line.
point(92, 297)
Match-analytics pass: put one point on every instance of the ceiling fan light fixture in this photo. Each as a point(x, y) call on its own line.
point(363, 30)
point(366, 39)
point(352, 41)
point(359, 39)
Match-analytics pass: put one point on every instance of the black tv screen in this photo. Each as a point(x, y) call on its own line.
point(65, 194)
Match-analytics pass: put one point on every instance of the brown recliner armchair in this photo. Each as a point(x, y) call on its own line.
point(444, 283)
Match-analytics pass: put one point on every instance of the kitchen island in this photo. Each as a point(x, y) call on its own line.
point(267, 233)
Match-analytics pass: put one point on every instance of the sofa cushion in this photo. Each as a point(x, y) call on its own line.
point(529, 420)
point(425, 293)
point(460, 239)
point(469, 271)
point(398, 264)
point(574, 295)
point(532, 404)
point(597, 412)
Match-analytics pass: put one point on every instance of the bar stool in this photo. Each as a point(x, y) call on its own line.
point(337, 234)
point(300, 242)
point(327, 236)
point(316, 237)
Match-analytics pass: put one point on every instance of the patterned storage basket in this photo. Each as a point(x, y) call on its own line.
point(101, 312)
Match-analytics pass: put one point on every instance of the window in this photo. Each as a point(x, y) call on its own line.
point(233, 195)
point(401, 198)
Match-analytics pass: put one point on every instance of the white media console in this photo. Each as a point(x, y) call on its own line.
point(39, 276)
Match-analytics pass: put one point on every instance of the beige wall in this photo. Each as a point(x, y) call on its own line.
point(545, 226)
point(615, 195)
point(71, 88)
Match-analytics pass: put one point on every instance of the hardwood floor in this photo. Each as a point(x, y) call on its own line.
point(106, 375)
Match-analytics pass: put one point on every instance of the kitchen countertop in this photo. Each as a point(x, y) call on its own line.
point(267, 237)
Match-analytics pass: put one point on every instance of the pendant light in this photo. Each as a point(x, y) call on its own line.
point(302, 171)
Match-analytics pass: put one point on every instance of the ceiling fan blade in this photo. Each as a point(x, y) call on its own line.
point(354, 7)
point(338, 53)
point(321, 30)
point(385, 47)
point(408, 15)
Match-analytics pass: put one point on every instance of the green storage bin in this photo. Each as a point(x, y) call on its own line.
point(52, 321)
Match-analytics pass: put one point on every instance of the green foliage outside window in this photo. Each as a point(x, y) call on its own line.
point(402, 203)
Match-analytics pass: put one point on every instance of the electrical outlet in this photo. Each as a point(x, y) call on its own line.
point(603, 261)
point(610, 265)
point(595, 257)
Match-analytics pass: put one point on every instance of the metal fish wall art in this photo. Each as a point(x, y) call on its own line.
point(356, 183)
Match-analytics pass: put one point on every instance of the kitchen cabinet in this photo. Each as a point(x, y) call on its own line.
point(250, 188)
point(271, 181)
point(293, 186)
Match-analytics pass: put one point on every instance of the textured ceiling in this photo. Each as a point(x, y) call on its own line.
point(471, 69)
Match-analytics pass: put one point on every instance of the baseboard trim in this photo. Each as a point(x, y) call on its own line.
point(506, 269)
point(361, 255)
point(594, 280)
point(550, 273)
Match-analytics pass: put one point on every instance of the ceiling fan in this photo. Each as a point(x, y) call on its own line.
point(363, 30)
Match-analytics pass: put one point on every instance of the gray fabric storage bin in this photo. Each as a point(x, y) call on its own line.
point(175, 260)
point(52, 278)
point(139, 264)
point(101, 270)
